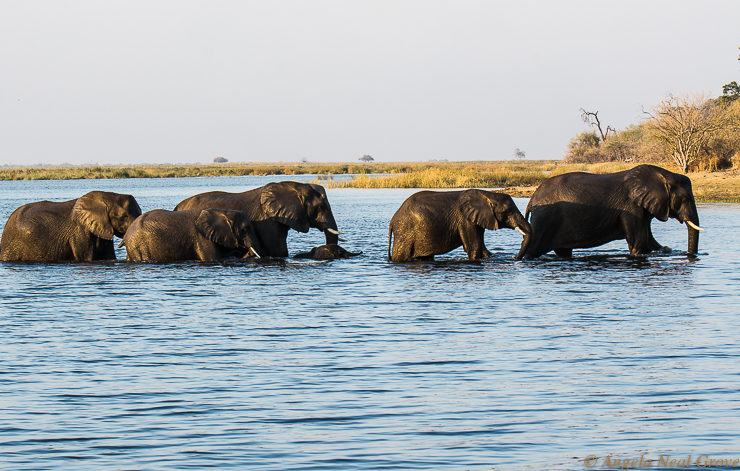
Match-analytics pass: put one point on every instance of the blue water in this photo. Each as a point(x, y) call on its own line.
point(365, 364)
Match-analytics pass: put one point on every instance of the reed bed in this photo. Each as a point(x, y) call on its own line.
point(441, 178)
point(472, 175)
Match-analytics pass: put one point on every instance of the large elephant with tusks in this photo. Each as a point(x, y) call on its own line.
point(583, 210)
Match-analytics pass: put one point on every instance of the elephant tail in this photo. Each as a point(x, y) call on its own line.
point(390, 235)
point(529, 209)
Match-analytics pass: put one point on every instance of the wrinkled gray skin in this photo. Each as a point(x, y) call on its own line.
point(274, 209)
point(327, 252)
point(583, 210)
point(431, 223)
point(80, 229)
point(196, 234)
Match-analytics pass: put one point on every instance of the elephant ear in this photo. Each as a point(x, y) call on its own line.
point(648, 189)
point(285, 205)
point(320, 189)
point(216, 227)
point(477, 208)
point(91, 210)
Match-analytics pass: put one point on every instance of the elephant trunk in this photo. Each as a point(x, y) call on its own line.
point(525, 246)
point(525, 229)
point(328, 226)
point(693, 239)
point(331, 238)
point(692, 224)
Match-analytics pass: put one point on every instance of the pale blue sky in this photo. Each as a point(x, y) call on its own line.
point(259, 81)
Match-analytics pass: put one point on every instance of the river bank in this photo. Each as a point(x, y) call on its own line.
point(518, 178)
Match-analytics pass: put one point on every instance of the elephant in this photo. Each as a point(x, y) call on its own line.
point(274, 209)
point(327, 252)
point(81, 229)
point(583, 210)
point(431, 223)
point(194, 234)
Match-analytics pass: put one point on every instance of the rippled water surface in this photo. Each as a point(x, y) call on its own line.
point(364, 364)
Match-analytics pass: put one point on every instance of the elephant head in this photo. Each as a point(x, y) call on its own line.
point(105, 214)
point(300, 206)
point(230, 229)
point(495, 211)
point(665, 194)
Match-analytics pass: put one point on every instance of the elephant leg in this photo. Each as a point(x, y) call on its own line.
point(84, 248)
point(273, 238)
point(402, 251)
point(638, 235)
point(472, 241)
point(205, 250)
point(104, 250)
point(536, 248)
point(565, 253)
point(656, 246)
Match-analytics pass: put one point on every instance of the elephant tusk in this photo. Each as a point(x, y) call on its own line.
point(336, 233)
point(254, 252)
point(693, 226)
point(520, 231)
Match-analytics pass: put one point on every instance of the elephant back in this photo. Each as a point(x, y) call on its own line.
point(246, 202)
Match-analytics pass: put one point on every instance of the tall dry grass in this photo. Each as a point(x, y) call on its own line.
point(473, 175)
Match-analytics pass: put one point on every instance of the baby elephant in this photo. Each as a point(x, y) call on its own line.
point(327, 252)
point(195, 234)
point(431, 223)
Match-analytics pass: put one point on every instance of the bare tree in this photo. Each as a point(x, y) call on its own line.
point(686, 123)
point(592, 118)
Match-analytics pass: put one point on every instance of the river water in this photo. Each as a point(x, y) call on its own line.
point(365, 364)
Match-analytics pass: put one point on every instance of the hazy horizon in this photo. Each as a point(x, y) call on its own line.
point(328, 81)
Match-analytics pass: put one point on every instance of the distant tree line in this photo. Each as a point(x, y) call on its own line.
point(689, 131)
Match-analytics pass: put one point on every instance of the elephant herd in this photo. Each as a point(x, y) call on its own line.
point(569, 211)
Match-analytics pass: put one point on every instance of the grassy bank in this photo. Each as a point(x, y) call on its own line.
point(177, 171)
point(716, 187)
point(266, 169)
point(517, 178)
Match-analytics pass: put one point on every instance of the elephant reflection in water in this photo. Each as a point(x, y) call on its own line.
point(583, 210)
